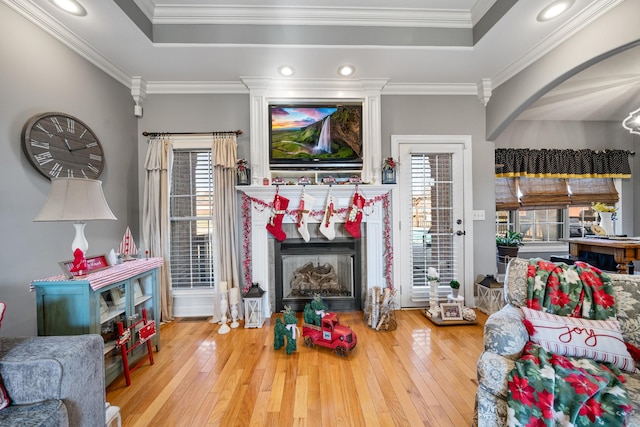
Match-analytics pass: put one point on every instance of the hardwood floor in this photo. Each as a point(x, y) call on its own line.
point(419, 374)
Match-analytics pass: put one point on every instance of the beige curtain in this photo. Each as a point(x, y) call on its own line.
point(155, 215)
point(223, 150)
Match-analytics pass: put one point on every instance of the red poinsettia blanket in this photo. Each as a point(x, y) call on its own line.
point(549, 389)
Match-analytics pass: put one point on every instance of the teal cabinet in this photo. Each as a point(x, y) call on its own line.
point(94, 304)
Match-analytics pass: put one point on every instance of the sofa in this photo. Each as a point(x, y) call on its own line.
point(505, 336)
point(53, 381)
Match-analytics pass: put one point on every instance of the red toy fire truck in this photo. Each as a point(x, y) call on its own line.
point(330, 334)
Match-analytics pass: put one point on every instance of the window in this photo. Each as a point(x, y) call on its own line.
point(191, 218)
point(546, 210)
point(432, 213)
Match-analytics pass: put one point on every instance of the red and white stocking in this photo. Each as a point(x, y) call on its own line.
point(327, 227)
point(306, 203)
point(354, 217)
point(274, 226)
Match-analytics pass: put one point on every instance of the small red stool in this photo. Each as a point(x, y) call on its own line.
point(145, 333)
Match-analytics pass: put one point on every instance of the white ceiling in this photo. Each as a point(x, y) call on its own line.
point(420, 46)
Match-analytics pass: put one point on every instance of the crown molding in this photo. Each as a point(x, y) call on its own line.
point(346, 85)
point(192, 88)
point(595, 10)
point(45, 22)
point(430, 89)
point(308, 15)
point(479, 8)
point(147, 7)
point(175, 88)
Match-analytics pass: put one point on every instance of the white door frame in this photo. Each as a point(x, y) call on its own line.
point(467, 181)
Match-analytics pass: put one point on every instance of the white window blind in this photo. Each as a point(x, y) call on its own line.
point(191, 217)
point(432, 237)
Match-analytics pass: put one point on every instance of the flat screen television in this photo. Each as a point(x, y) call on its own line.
point(315, 136)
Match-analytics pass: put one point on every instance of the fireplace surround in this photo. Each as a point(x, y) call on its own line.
point(261, 243)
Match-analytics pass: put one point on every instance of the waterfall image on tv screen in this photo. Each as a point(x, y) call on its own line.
point(316, 134)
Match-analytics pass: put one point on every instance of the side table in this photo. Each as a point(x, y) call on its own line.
point(490, 298)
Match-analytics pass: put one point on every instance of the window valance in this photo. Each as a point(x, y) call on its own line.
point(565, 163)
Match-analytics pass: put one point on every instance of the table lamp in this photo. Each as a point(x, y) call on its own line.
point(78, 200)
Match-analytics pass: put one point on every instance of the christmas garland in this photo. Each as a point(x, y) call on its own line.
point(261, 205)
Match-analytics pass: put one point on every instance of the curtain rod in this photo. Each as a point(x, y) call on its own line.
point(154, 134)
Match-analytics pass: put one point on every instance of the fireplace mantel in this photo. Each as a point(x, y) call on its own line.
point(373, 221)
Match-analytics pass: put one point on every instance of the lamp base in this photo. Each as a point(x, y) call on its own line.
point(80, 242)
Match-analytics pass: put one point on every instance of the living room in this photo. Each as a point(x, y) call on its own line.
point(40, 73)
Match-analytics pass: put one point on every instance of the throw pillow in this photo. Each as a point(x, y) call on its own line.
point(4, 399)
point(599, 340)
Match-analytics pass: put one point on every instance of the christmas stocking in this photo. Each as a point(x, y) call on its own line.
point(274, 226)
point(354, 217)
point(306, 203)
point(327, 227)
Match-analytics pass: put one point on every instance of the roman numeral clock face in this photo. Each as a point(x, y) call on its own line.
point(60, 146)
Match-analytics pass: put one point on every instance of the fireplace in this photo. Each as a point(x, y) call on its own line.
point(262, 245)
point(329, 268)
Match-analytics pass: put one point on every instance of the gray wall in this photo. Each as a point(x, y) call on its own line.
point(451, 115)
point(196, 113)
point(39, 74)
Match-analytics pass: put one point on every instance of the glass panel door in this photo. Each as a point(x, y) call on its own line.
point(431, 209)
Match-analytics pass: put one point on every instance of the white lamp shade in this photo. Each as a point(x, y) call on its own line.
point(75, 199)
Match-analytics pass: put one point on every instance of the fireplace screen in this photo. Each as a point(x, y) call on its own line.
point(331, 269)
point(326, 275)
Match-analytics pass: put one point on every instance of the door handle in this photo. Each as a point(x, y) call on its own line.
point(461, 232)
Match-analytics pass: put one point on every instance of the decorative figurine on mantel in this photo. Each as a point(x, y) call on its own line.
point(243, 172)
point(389, 171)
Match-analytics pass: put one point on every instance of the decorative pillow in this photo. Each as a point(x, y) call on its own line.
point(4, 399)
point(599, 340)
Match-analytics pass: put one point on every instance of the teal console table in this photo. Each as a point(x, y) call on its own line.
point(95, 303)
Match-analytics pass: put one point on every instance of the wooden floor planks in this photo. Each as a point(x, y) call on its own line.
point(418, 375)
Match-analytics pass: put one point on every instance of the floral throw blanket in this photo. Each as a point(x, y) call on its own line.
point(547, 389)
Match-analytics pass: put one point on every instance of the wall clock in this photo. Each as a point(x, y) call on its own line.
point(59, 145)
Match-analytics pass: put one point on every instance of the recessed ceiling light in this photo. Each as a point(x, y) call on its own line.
point(346, 70)
point(70, 6)
point(554, 9)
point(286, 71)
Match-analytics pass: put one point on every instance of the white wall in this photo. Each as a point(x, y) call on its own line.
point(39, 74)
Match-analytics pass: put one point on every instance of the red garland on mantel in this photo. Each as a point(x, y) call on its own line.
point(248, 201)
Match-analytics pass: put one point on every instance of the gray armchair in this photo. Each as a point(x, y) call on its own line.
point(53, 381)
